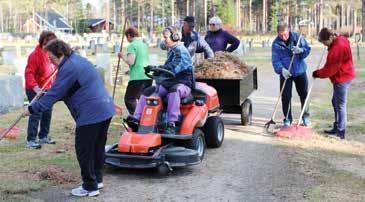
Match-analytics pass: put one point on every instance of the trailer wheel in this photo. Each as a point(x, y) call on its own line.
point(197, 142)
point(214, 131)
point(246, 112)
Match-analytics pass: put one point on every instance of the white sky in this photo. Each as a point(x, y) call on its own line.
point(94, 3)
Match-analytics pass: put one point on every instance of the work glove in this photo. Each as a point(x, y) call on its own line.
point(315, 74)
point(285, 73)
point(297, 50)
point(37, 90)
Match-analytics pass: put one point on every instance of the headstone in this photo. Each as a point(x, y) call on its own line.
point(12, 93)
point(9, 57)
point(103, 62)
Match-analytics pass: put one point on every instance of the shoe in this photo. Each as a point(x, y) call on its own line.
point(132, 123)
point(170, 128)
point(306, 121)
point(341, 134)
point(33, 145)
point(80, 191)
point(332, 131)
point(46, 140)
point(100, 185)
point(286, 123)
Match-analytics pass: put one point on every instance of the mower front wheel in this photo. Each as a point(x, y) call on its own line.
point(214, 131)
point(197, 142)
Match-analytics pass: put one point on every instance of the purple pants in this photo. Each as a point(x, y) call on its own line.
point(173, 104)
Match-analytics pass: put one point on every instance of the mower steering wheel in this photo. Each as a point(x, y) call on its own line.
point(157, 70)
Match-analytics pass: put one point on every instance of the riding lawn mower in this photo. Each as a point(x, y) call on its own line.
point(148, 146)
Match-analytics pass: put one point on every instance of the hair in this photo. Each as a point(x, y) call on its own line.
point(58, 48)
point(172, 30)
point(325, 34)
point(190, 20)
point(132, 32)
point(215, 20)
point(46, 36)
point(281, 26)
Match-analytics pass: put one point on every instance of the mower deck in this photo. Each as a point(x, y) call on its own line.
point(174, 156)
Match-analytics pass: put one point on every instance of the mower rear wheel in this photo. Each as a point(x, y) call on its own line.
point(197, 142)
point(214, 131)
point(246, 112)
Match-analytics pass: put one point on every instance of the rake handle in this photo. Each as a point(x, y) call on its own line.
point(120, 50)
point(309, 91)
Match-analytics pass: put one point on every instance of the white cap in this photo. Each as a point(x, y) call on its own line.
point(215, 20)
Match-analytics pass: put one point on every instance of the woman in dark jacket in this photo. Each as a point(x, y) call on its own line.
point(78, 84)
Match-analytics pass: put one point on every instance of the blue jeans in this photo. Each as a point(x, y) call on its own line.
point(42, 119)
point(339, 99)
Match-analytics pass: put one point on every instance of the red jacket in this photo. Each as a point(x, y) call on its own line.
point(339, 67)
point(38, 69)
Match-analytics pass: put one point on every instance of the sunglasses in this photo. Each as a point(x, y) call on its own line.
point(211, 24)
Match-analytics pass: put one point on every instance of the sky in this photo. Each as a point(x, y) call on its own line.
point(94, 3)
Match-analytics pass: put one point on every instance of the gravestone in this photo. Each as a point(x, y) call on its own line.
point(9, 57)
point(12, 93)
point(103, 66)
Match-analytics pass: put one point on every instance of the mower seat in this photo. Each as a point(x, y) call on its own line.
point(184, 101)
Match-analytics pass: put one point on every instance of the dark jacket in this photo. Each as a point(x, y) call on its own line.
point(219, 40)
point(339, 66)
point(196, 44)
point(180, 63)
point(282, 54)
point(79, 85)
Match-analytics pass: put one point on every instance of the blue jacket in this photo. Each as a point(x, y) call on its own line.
point(180, 63)
point(196, 44)
point(220, 39)
point(281, 54)
point(79, 85)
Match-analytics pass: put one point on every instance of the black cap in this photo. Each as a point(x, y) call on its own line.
point(190, 20)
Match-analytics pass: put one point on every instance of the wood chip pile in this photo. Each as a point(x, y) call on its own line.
point(222, 66)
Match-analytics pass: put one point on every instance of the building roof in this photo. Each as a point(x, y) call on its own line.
point(54, 20)
point(92, 22)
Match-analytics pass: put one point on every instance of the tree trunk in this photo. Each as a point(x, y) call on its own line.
point(363, 20)
point(250, 15)
point(263, 16)
point(172, 12)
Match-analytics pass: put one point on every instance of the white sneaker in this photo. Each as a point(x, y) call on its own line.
point(100, 185)
point(80, 191)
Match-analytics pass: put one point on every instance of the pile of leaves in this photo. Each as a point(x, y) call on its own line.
point(57, 175)
point(223, 66)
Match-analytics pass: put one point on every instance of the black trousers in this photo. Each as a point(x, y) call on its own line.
point(90, 151)
point(301, 85)
point(134, 90)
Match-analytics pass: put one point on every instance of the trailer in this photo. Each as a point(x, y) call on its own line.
point(233, 94)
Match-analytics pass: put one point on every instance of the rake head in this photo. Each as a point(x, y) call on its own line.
point(13, 133)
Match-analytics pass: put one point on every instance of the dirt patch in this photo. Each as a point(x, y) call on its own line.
point(353, 165)
point(57, 175)
point(222, 66)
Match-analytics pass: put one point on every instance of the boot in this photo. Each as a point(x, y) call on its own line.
point(132, 123)
point(341, 134)
point(170, 128)
point(331, 131)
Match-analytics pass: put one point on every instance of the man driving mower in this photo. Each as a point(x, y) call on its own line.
point(179, 62)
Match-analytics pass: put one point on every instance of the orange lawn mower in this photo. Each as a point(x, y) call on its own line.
point(147, 146)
